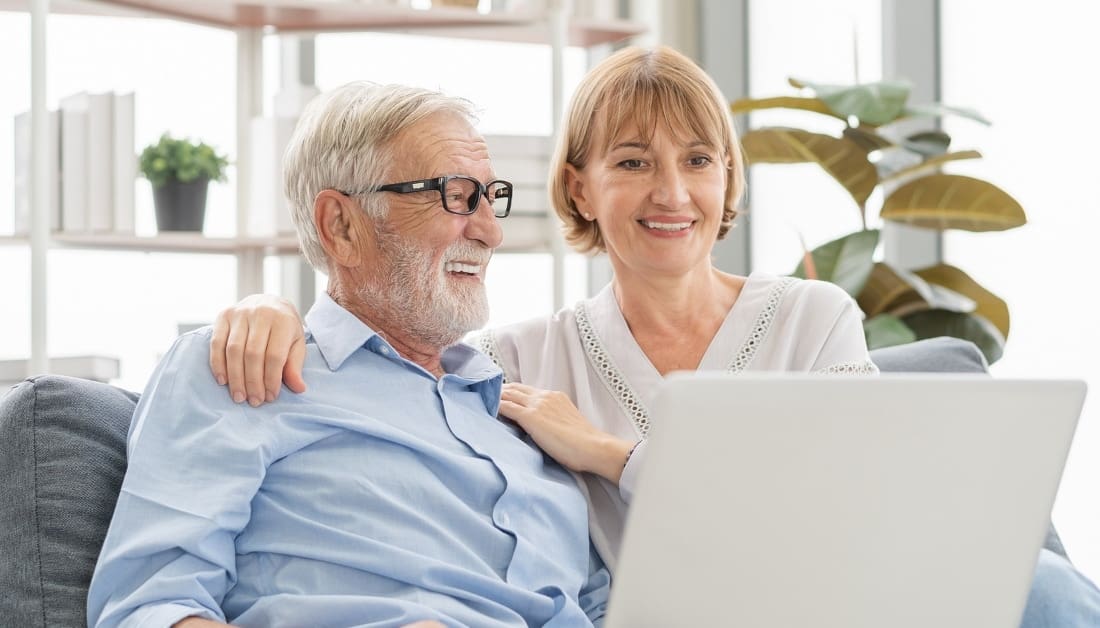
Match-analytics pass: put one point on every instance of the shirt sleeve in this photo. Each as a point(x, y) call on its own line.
point(194, 464)
point(593, 597)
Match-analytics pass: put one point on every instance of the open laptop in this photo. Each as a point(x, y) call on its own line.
point(790, 501)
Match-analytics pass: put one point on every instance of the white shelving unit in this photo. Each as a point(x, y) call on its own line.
point(251, 20)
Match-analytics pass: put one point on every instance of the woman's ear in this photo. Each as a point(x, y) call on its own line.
point(340, 228)
point(575, 187)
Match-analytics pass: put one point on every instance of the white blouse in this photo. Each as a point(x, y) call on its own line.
point(587, 352)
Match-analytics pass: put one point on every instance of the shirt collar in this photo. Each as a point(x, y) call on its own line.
point(338, 334)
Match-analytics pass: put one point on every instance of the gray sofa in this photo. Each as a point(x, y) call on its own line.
point(63, 455)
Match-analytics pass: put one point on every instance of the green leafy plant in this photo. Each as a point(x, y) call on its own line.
point(181, 159)
point(887, 145)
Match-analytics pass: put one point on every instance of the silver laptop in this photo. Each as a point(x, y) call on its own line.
point(791, 501)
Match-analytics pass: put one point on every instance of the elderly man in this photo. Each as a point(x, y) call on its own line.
point(389, 493)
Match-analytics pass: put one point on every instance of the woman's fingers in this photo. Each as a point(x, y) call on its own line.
point(283, 344)
point(292, 371)
point(234, 355)
point(255, 352)
point(217, 348)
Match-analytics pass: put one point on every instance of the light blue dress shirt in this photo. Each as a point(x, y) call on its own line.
point(379, 497)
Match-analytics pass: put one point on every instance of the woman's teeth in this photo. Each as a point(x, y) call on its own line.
point(666, 226)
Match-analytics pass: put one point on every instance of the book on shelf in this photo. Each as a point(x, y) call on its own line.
point(125, 163)
point(268, 212)
point(74, 163)
point(101, 162)
point(22, 172)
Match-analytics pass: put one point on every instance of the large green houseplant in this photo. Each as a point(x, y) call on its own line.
point(180, 171)
point(879, 148)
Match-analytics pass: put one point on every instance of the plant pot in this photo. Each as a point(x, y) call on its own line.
point(181, 206)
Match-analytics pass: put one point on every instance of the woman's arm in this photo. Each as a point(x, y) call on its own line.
point(258, 344)
point(559, 429)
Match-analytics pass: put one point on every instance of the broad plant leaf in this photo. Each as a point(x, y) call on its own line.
point(988, 305)
point(886, 330)
point(745, 105)
point(886, 291)
point(972, 327)
point(844, 160)
point(928, 143)
point(937, 110)
point(899, 292)
point(846, 261)
point(866, 138)
point(930, 164)
point(948, 201)
point(873, 103)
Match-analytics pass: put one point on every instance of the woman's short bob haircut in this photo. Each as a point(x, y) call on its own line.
point(641, 88)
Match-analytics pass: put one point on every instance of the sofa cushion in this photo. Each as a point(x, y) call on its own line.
point(62, 457)
point(934, 355)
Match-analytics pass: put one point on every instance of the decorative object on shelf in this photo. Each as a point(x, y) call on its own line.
point(180, 171)
point(469, 4)
point(886, 145)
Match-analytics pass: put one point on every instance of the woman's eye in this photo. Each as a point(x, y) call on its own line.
point(631, 164)
point(699, 160)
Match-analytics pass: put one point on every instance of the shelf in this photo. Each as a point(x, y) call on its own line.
point(308, 16)
point(166, 243)
point(523, 233)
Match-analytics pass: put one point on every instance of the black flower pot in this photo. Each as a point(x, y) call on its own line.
point(181, 206)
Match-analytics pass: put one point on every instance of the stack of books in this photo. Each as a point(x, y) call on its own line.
point(92, 165)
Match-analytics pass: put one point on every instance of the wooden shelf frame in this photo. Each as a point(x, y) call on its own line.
point(319, 16)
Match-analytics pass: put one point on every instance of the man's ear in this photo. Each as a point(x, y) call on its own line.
point(341, 228)
point(574, 186)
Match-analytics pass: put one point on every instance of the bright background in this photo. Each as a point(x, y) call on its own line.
point(1028, 74)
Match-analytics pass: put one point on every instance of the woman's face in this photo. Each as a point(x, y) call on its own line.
point(658, 204)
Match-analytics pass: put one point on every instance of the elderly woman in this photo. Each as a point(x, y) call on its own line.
point(648, 170)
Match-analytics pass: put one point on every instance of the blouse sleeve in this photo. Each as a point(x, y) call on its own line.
point(629, 478)
point(844, 349)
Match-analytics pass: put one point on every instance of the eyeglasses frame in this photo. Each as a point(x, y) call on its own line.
point(440, 184)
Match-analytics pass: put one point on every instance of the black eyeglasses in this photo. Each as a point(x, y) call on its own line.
point(461, 194)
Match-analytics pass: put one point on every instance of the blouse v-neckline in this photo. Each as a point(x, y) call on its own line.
point(604, 332)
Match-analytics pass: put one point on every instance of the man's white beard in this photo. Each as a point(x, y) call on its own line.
point(420, 297)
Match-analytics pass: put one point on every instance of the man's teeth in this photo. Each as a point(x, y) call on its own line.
point(459, 267)
point(667, 226)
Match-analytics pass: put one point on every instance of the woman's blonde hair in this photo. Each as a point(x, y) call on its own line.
point(643, 88)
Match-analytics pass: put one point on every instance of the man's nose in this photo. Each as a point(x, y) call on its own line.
point(483, 225)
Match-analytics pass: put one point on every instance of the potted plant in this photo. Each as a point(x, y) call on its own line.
point(884, 144)
point(180, 171)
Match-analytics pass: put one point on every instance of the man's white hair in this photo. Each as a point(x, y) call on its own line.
point(344, 141)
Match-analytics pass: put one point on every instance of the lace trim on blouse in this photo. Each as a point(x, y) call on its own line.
point(761, 327)
point(621, 390)
point(612, 378)
point(485, 341)
point(849, 368)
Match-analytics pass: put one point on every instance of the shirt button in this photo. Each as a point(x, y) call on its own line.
point(384, 350)
point(505, 519)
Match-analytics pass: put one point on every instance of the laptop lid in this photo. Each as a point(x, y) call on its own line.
point(843, 502)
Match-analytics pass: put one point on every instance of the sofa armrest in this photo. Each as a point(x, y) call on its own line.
point(62, 457)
